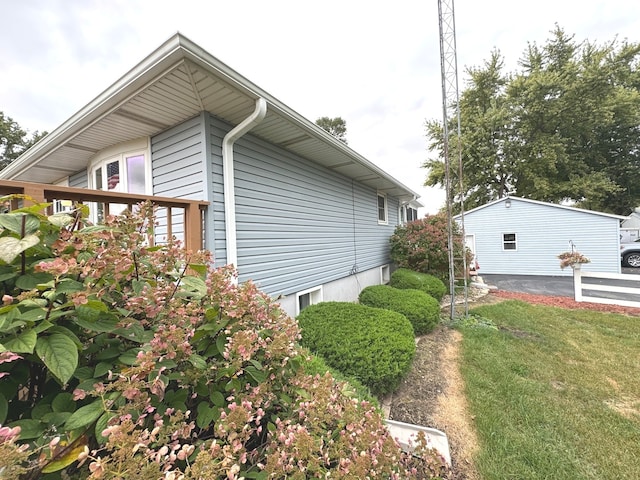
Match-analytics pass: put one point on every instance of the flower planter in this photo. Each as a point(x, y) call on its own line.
point(406, 434)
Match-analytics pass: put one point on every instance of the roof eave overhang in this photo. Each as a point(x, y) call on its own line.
point(164, 59)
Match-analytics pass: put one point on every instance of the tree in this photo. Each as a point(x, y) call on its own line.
point(14, 140)
point(562, 129)
point(335, 126)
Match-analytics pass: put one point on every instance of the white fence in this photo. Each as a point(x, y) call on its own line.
point(619, 288)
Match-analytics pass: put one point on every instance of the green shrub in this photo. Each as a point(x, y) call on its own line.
point(420, 308)
point(375, 346)
point(124, 360)
point(404, 278)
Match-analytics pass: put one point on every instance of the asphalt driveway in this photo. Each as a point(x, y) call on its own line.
point(538, 284)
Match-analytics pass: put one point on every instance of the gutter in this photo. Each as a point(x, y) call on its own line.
point(229, 180)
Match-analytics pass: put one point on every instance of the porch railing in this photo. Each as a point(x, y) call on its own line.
point(190, 217)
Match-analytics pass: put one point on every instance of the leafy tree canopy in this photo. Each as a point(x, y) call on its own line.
point(14, 140)
point(335, 126)
point(563, 128)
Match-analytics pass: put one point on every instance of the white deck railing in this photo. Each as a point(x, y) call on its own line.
point(626, 284)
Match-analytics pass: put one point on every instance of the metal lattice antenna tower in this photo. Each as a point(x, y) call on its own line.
point(451, 111)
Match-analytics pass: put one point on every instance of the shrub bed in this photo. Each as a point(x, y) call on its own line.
point(375, 346)
point(420, 308)
point(404, 278)
point(122, 360)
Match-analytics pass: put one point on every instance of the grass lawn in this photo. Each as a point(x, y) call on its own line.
point(555, 393)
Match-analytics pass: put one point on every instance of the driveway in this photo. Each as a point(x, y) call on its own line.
point(540, 284)
point(535, 284)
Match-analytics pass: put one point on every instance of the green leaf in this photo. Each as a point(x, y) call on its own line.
point(85, 415)
point(197, 361)
point(32, 280)
point(33, 314)
point(206, 415)
point(14, 222)
point(68, 285)
point(63, 402)
point(11, 247)
point(23, 343)
point(101, 424)
point(56, 418)
point(29, 428)
point(60, 354)
point(193, 287)
point(217, 399)
point(95, 320)
point(61, 219)
point(4, 408)
point(102, 368)
point(258, 375)
point(129, 357)
point(8, 275)
point(83, 373)
point(199, 268)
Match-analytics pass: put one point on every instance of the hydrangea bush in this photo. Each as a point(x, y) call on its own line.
point(423, 246)
point(124, 360)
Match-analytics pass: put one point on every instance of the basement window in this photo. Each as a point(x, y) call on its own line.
point(308, 297)
point(509, 241)
point(384, 274)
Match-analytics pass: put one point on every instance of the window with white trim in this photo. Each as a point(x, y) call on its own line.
point(122, 168)
point(509, 241)
point(308, 297)
point(382, 209)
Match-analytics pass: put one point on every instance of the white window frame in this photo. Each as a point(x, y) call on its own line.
point(505, 242)
point(385, 274)
point(386, 209)
point(120, 153)
point(60, 206)
point(315, 296)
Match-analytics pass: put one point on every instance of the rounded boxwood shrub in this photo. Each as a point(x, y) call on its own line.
point(373, 345)
point(404, 278)
point(420, 308)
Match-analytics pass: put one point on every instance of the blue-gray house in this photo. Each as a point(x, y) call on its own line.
point(293, 208)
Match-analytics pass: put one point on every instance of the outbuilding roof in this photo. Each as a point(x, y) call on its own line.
point(538, 202)
point(174, 83)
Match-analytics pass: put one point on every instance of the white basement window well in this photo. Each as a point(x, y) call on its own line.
point(509, 241)
point(308, 297)
point(383, 218)
point(384, 274)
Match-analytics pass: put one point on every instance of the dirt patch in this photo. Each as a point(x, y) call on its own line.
point(432, 395)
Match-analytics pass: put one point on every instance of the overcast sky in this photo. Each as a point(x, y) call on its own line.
point(374, 63)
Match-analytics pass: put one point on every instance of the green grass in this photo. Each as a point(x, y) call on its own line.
point(555, 394)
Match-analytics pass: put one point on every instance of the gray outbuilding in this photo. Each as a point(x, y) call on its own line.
point(519, 236)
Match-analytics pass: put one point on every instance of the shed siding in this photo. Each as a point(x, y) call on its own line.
point(177, 169)
point(543, 232)
point(295, 219)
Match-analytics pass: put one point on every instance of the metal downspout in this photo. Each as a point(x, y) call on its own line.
point(229, 180)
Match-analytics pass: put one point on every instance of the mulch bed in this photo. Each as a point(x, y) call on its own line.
point(565, 302)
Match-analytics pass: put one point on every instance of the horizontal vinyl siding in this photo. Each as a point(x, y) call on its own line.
point(79, 179)
point(176, 163)
point(295, 221)
point(543, 232)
